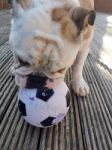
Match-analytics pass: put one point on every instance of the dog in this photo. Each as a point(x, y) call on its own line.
point(51, 36)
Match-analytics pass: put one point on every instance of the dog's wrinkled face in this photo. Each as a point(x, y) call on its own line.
point(74, 25)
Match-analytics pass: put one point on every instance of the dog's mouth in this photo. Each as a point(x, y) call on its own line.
point(25, 68)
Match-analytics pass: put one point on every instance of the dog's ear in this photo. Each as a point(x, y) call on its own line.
point(92, 16)
point(82, 18)
point(19, 6)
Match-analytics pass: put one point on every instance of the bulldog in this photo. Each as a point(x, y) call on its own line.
point(49, 36)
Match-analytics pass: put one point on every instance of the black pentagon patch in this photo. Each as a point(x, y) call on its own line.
point(22, 108)
point(47, 121)
point(44, 94)
point(34, 81)
point(68, 99)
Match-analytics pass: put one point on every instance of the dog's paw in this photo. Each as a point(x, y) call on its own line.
point(80, 87)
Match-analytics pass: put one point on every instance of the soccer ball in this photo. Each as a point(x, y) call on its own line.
point(44, 107)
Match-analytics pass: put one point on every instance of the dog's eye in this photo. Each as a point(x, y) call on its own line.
point(59, 71)
point(22, 62)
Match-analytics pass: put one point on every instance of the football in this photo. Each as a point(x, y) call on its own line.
point(44, 107)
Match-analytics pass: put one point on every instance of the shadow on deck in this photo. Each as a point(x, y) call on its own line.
point(87, 126)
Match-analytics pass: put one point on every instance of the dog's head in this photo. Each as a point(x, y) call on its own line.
point(74, 24)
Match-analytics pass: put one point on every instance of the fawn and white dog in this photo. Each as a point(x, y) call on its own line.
point(49, 36)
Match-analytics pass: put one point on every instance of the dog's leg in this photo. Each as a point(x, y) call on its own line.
point(79, 85)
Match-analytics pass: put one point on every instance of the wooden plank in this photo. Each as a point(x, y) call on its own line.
point(5, 19)
point(104, 6)
point(4, 4)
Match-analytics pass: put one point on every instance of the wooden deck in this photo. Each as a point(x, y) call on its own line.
point(87, 126)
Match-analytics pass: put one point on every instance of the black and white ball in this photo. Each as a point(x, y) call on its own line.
point(44, 107)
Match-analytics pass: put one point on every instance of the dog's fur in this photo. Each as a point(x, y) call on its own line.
point(51, 35)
